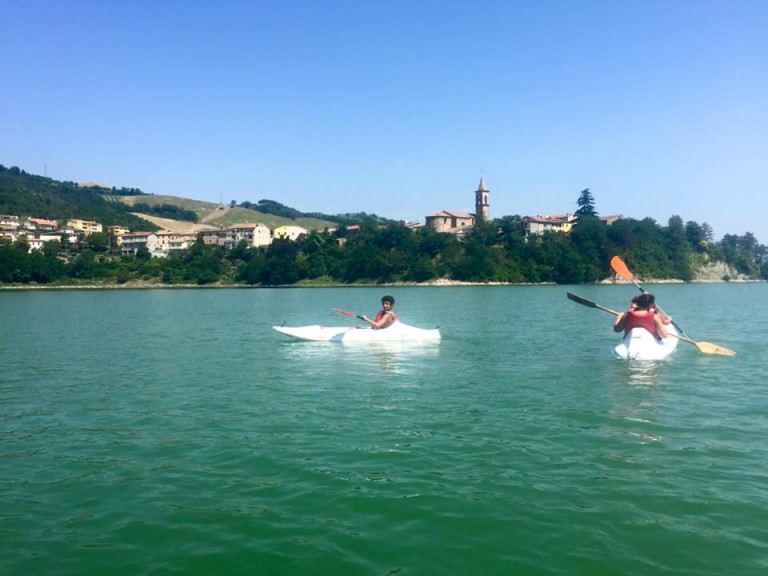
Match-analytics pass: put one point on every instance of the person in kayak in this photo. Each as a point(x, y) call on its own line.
point(642, 315)
point(386, 317)
point(664, 318)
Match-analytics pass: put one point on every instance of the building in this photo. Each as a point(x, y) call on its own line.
point(9, 233)
point(611, 219)
point(482, 202)
point(9, 227)
point(289, 232)
point(179, 244)
point(460, 223)
point(551, 223)
point(451, 222)
point(213, 237)
point(40, 224)
point(557, 223)
point(133, 241)
point(165, 238)
point(37, 241)
point(253, 234)
point(85, 226)
point(118, 230)
point(9, 221)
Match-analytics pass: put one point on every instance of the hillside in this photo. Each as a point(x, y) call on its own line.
point(24, 195)
point(212, 215)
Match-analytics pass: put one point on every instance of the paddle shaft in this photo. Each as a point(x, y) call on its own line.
point(622, 270)
point(348, 313)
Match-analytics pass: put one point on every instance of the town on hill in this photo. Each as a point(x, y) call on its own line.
point(64, 233)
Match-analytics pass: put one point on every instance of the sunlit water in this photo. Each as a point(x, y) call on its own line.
point(172, 431)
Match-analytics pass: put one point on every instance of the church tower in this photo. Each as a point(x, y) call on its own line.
point(482, 205)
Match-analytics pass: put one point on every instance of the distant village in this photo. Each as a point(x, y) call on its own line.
point(166, 243)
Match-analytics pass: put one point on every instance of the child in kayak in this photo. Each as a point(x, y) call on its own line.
point(664, 318)
point(386, 317)
point(642, 315)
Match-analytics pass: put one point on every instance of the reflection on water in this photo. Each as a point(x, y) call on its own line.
point(392, 357)
point(637, 399)
point(397, 357)
point(642, 373)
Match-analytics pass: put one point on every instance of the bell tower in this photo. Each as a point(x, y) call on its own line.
point(482, 203)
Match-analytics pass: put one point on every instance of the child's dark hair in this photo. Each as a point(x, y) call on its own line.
point(645, 300)
point(389, 299)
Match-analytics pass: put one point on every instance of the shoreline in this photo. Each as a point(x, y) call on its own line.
point(431, 284)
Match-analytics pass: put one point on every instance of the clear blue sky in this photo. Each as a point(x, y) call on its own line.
point(399, 107)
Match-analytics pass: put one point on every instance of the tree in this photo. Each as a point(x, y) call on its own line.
point(678, 249)
point(586, 203)
point(97, 241)
point(696, 236)
point(589, 238)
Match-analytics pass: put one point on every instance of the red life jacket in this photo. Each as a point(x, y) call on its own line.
point(635, 320)
point(381, 313)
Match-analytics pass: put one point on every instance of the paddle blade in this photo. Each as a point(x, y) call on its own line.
point(621, 268)
point(585, 302)
point(345, 312)
point(706, 347)
point(709, 348)
point(580, 300)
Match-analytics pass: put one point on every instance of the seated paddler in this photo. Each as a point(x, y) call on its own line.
point(386, 316)
point(642, 315)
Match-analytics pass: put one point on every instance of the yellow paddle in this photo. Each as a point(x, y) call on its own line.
point(704, 347)
point(707, 347)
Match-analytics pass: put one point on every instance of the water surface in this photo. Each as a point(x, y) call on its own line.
point(172, 431)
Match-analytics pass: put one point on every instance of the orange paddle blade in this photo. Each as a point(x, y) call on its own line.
point(621, 269)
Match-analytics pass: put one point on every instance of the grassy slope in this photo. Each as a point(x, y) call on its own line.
point(222, 215)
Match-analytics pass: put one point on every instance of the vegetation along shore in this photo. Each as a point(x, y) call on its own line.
point(351, 250)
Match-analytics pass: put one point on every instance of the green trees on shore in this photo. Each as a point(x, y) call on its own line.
point(495, 252)
point(382, 251)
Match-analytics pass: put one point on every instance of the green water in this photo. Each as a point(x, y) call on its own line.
point(173, 432)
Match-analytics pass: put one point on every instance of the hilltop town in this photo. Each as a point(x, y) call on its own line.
point(175, 236)
point(61, 233)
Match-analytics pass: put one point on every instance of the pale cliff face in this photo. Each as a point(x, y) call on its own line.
point(717, 272)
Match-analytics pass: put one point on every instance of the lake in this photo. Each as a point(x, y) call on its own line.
point(171, 431)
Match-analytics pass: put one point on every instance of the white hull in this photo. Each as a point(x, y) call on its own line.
point(640, 344)
point(398, 332)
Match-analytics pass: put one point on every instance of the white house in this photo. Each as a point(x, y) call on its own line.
point(135, 240)
point(37, 241)
point(551, 223)
point(179, 244)
point(253, 234)
point(557, 223)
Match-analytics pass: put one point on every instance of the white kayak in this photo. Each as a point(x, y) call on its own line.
point(397, 332)
point(639, 344)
